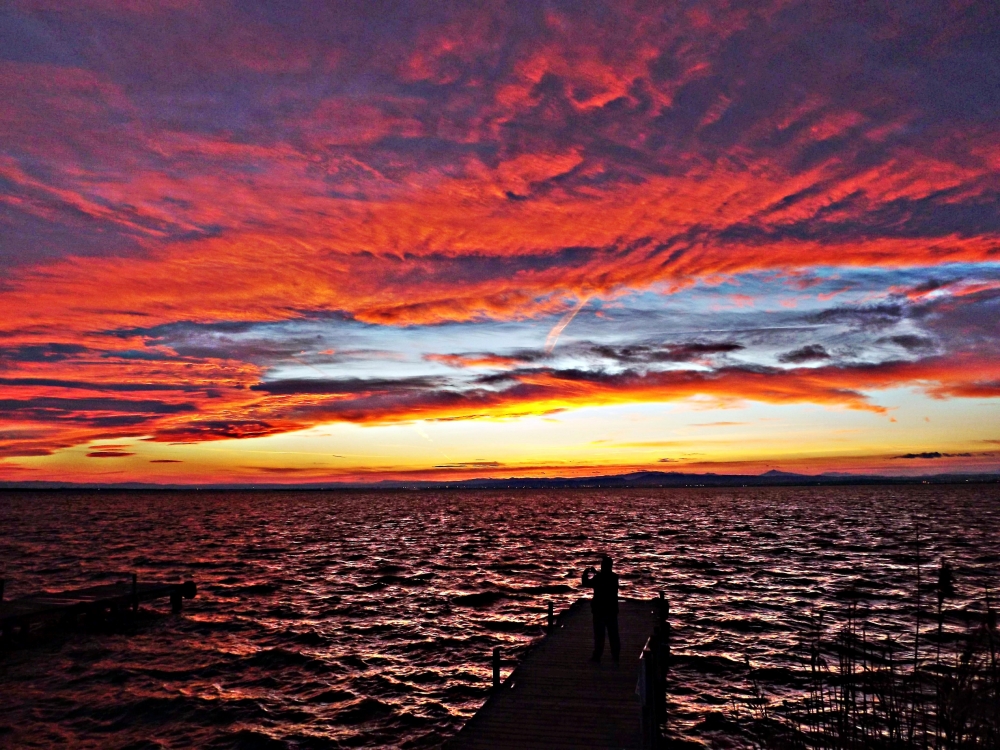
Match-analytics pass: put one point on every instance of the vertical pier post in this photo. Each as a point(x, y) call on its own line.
point(135, 593)
point(5, 630)
point(496, 667)
point(648, 690)
point(551, 618)
point(664, 655)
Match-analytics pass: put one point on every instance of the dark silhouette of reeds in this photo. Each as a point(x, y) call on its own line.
point(866, 690)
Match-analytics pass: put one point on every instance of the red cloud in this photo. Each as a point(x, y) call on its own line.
point(486, 163)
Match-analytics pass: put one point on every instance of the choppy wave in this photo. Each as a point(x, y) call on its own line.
point(367, 620)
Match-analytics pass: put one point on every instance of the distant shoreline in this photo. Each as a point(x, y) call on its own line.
point(634, 480)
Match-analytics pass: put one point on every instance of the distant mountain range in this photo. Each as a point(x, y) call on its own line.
point(639, 480)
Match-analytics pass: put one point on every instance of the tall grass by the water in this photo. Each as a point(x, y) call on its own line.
point(936, 687)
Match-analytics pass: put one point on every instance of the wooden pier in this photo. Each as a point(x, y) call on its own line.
point(557, 698)
point(18, 617)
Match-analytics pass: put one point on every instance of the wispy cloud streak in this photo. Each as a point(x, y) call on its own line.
point(553, 338)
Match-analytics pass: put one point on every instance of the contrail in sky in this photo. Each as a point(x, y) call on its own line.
point(553, 338)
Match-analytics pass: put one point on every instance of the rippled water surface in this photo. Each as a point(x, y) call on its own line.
point(345, 619)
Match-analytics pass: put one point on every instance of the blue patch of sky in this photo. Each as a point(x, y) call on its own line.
point(840, 316)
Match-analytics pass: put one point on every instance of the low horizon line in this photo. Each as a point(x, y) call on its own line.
point(627, 480)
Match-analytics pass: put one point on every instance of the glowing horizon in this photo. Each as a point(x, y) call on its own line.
point(243, 242)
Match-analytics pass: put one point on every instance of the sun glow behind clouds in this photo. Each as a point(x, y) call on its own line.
point(508, 229)
point(674, 437)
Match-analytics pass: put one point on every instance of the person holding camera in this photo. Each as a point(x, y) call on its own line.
point(604, 605)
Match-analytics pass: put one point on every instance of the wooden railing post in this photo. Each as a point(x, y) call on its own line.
point(649, 694)
point(664, 653)
point(135, 593)
point(653, 666)
point(7, 632)
point(551, 618)
point(496, 666)
point(3, 583)
point(659, 695)
point(667, 633)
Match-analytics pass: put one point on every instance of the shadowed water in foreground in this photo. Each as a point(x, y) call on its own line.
point(368, 619)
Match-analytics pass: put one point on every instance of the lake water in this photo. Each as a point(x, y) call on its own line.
point(344, 619)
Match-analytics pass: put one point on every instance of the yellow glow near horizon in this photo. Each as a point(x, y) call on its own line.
point(664, 437)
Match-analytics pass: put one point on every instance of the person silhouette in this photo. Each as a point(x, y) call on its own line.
point(604, 605)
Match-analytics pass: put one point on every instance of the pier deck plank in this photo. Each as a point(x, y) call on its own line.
point(557, 698)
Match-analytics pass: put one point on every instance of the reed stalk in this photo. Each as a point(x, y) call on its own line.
point(875, 695)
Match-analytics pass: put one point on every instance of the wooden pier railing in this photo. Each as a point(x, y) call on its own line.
point(557, 698)
point(654, 667)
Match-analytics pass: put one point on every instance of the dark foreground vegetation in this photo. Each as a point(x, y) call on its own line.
point(865, 686)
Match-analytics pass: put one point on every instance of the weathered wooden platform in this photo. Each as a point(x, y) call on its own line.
point(66, 608)
point(557, 698)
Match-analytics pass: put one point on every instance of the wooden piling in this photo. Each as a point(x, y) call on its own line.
point(93, 605)
point(496, 667)
point(665, 655)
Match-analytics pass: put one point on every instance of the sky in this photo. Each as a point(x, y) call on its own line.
point(316, 241)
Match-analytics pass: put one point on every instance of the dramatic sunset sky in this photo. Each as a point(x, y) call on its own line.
point(298, 241)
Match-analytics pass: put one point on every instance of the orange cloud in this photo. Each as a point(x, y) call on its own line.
point(488, 163)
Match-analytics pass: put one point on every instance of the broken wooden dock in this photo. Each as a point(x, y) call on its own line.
point(557, 698)
point(18, 617)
